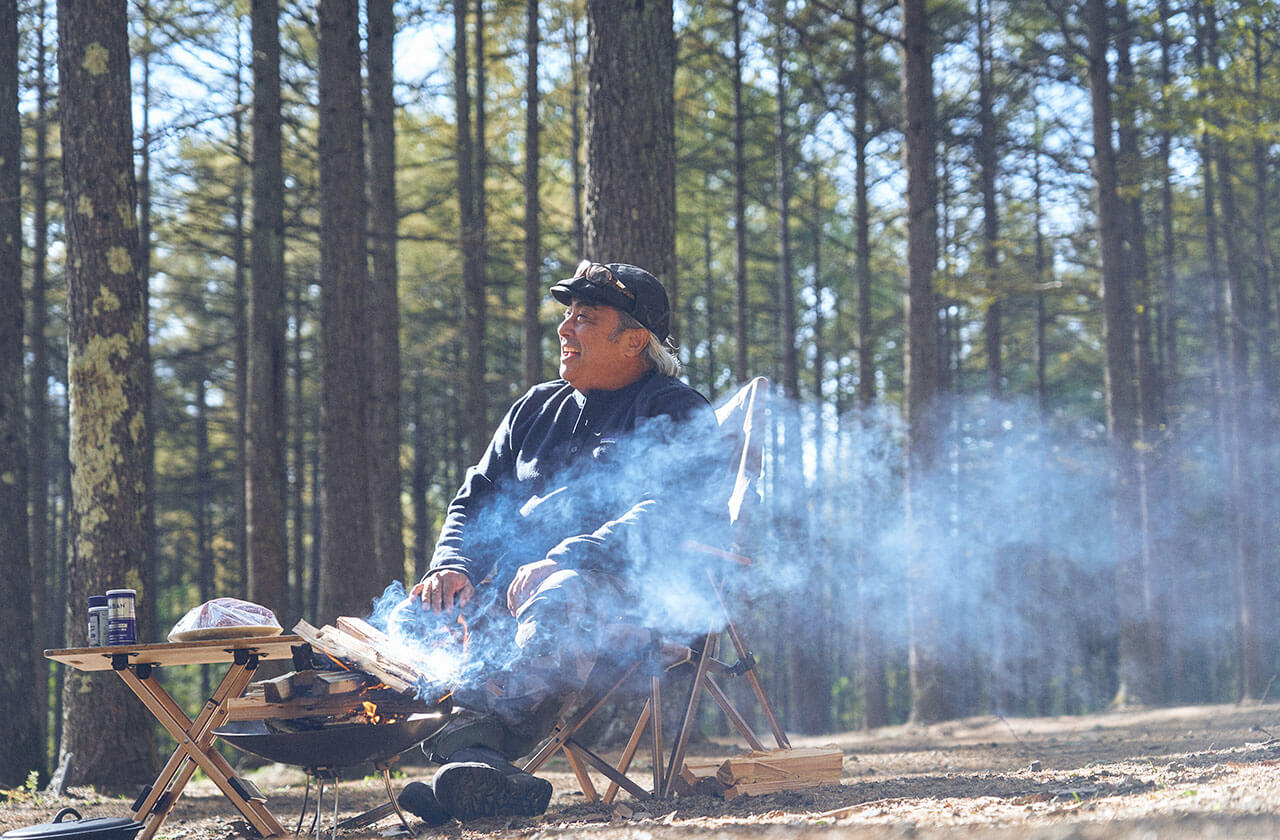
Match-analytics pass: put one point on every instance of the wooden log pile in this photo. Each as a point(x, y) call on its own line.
point(378, 680)
point(761, 771)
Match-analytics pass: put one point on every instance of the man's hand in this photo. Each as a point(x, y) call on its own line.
point(445, 590)
point(526, 581)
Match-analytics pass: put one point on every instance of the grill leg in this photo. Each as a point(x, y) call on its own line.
point(306, 800)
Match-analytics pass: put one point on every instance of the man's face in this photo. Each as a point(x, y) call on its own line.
point(594, 354)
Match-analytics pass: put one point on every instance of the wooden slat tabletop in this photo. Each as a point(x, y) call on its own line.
point(203, 652)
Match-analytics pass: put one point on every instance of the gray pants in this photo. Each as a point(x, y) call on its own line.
point(524, 669)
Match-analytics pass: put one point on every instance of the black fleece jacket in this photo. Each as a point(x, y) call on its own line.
point(601, 481)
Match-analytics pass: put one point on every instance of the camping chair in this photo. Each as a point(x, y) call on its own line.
point(742, 425)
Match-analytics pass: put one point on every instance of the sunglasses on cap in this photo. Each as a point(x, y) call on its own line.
point(601, 277)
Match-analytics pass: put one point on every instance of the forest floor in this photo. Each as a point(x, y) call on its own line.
point(1175, 774)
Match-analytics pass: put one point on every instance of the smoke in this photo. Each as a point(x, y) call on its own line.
point(1003, 568)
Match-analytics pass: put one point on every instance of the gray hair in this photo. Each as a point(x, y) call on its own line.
point(660, 354)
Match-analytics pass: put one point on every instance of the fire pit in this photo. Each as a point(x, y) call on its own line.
point(331, 747)
point(326, 749)
point(350, 701)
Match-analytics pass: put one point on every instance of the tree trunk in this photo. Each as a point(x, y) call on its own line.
point(478, 253)
point(930, 697)
point(1264, 253)
point(814, 662)
point(871, 659)
point(105, 727)
point(862, 219)
point(871, 649)
point(988, 161)
point(1138, 678)
point(346, 588)
point(1254, 670)
point(1041, 270)
point(203, 494)
point(1268, 372)
point(532, 345)
point(143, 186)
point(265, 487)
point(786, 284)
point(41, 437)
point(575, 137)
point(1167, 318)
point(384, 307)
point(19, 721)
point(301, 599)
point(740, 369)
point(421, 483)
point(240, 312)
point(709, 278)
point(631, 135)
point(1134, 248)
point(469, 235)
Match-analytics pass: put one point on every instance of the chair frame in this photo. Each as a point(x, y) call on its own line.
point(743, 417)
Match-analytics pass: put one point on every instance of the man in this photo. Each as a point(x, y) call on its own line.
point(566, 523)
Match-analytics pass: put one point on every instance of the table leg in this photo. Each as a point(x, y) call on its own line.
point(233, 682)
point(195, 740)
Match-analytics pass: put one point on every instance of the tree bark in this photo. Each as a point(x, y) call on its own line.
point(930, 698)
point(871, 659)
point(740, 369)
point(1267, 510)
point(1254, 670)
point(1138, 678)
point(575, 137)
point(862, 214)
point(478, 253)
point(384, 307)
point(532, 345)
point(469, 235)
point(421, 482)
point(1134, 247)
point(19, 722)
point(630, 178)
point(346, 588)
point(304, 582)
point(265, 488)
point(40, 438)
point(988, 162)
point(203, 480)
point(104, 726)
point(143, 186)
point(782, 173)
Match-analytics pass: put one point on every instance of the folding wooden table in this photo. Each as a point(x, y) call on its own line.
point(134, 665)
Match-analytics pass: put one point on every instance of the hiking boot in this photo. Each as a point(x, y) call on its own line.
point(420, 800)
point(479, 782)
point(466, 728)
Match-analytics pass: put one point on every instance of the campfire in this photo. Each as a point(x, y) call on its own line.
point(354, 696)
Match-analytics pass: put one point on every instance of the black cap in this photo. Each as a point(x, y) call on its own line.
point(627, 287)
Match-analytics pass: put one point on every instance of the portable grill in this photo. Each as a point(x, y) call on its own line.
point(323, 748)
point(355, 696)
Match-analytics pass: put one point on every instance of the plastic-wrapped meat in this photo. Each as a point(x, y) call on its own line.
point(225, 618)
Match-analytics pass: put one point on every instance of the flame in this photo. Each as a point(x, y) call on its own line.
point(371, 711)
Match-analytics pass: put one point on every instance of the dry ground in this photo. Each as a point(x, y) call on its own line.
point(1194, 772)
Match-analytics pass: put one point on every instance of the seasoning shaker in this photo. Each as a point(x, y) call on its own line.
point(122, 621)
point(97, 620)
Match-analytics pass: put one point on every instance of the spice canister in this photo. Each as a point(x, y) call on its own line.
point(98, 620)
point(122, 618)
